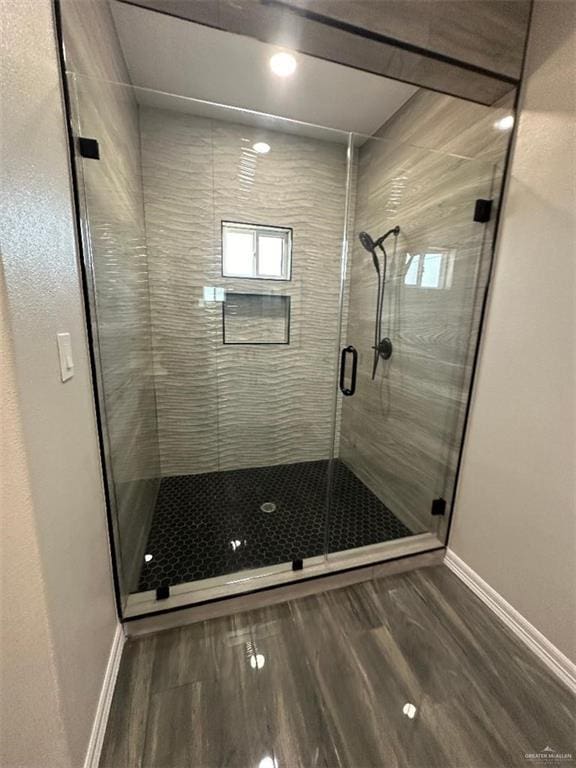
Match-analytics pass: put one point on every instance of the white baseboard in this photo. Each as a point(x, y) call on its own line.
point(554, 659)
point(105, 701)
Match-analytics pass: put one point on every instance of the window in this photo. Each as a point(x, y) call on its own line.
point(254, 251)
point(429, 270)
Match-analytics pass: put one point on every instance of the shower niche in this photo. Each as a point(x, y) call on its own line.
point(237, 236)
point(256, 318)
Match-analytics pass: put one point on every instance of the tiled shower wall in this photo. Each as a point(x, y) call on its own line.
point(401, 432)
point(113, 197)
point(220, 406)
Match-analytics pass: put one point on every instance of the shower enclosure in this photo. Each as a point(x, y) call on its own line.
point(252, 433)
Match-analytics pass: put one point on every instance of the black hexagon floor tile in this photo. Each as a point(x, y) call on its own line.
point(217, 523)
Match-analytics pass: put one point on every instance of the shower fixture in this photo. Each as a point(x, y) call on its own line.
point(382, 345)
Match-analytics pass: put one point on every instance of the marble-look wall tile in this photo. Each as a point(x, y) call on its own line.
point(224, 406)
point(401, 432)
point(485, 33)
point(487, 36)
point(113, 207)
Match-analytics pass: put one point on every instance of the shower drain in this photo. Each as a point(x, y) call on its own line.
point(268, 506)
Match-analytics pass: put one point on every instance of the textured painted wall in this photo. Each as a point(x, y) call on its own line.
point(222, 407)
point(401, 432)
point(64, 578)
point(30, 710)
point(515, 516)
point(114, 207)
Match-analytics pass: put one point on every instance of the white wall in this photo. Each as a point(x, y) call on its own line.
point(515, 517)
point(59, 598)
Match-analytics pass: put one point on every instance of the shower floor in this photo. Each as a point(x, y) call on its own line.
point(212, 524)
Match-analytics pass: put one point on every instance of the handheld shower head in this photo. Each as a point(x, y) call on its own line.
point(370, 246)
point(367, 241)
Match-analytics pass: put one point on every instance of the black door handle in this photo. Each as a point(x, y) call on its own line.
point(348, 391)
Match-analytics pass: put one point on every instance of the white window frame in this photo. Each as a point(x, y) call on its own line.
point(284, 233)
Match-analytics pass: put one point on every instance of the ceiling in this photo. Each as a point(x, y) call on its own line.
point(182, 59)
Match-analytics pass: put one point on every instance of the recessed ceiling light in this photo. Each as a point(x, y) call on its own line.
point(283, 64)
point(505, 123)
point(261, 147)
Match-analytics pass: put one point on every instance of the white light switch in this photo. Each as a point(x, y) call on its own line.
point(65, 355)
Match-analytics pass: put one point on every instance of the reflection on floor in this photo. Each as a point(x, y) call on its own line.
point(212, 524)
point(409, 670)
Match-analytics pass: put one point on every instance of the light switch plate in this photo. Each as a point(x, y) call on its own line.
point(65, 356)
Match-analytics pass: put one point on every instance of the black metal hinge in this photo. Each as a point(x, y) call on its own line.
point(482, 210)
point(438, 507)
point(89, 148)
point(162, 593)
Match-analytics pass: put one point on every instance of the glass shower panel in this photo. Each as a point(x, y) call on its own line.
point(118, 283)
point(415, 338)
point(215, 270)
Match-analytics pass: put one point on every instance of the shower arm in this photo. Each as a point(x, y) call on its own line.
point(394, 231)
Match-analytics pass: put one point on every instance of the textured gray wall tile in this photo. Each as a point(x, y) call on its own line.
point(486, 33)
point(219, 406)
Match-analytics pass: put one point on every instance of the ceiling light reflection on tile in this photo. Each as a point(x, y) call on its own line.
point(505, 123)
point(409, 710)
point(261, 147)
point(268, 762)
point(257, 661)
point(283, 64)
point(246, 168)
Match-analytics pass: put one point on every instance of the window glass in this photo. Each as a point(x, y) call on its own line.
point(238, 253)
point(411, 277)
point(431, 270)
point(270, 253)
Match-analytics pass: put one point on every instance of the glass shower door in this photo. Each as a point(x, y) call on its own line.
point(220, 304)
point(213, 241)
point(400, 433)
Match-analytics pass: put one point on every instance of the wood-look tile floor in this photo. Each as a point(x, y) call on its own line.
point(409, 670)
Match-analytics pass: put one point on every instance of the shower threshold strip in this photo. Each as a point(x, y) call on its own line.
point(192, 593)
